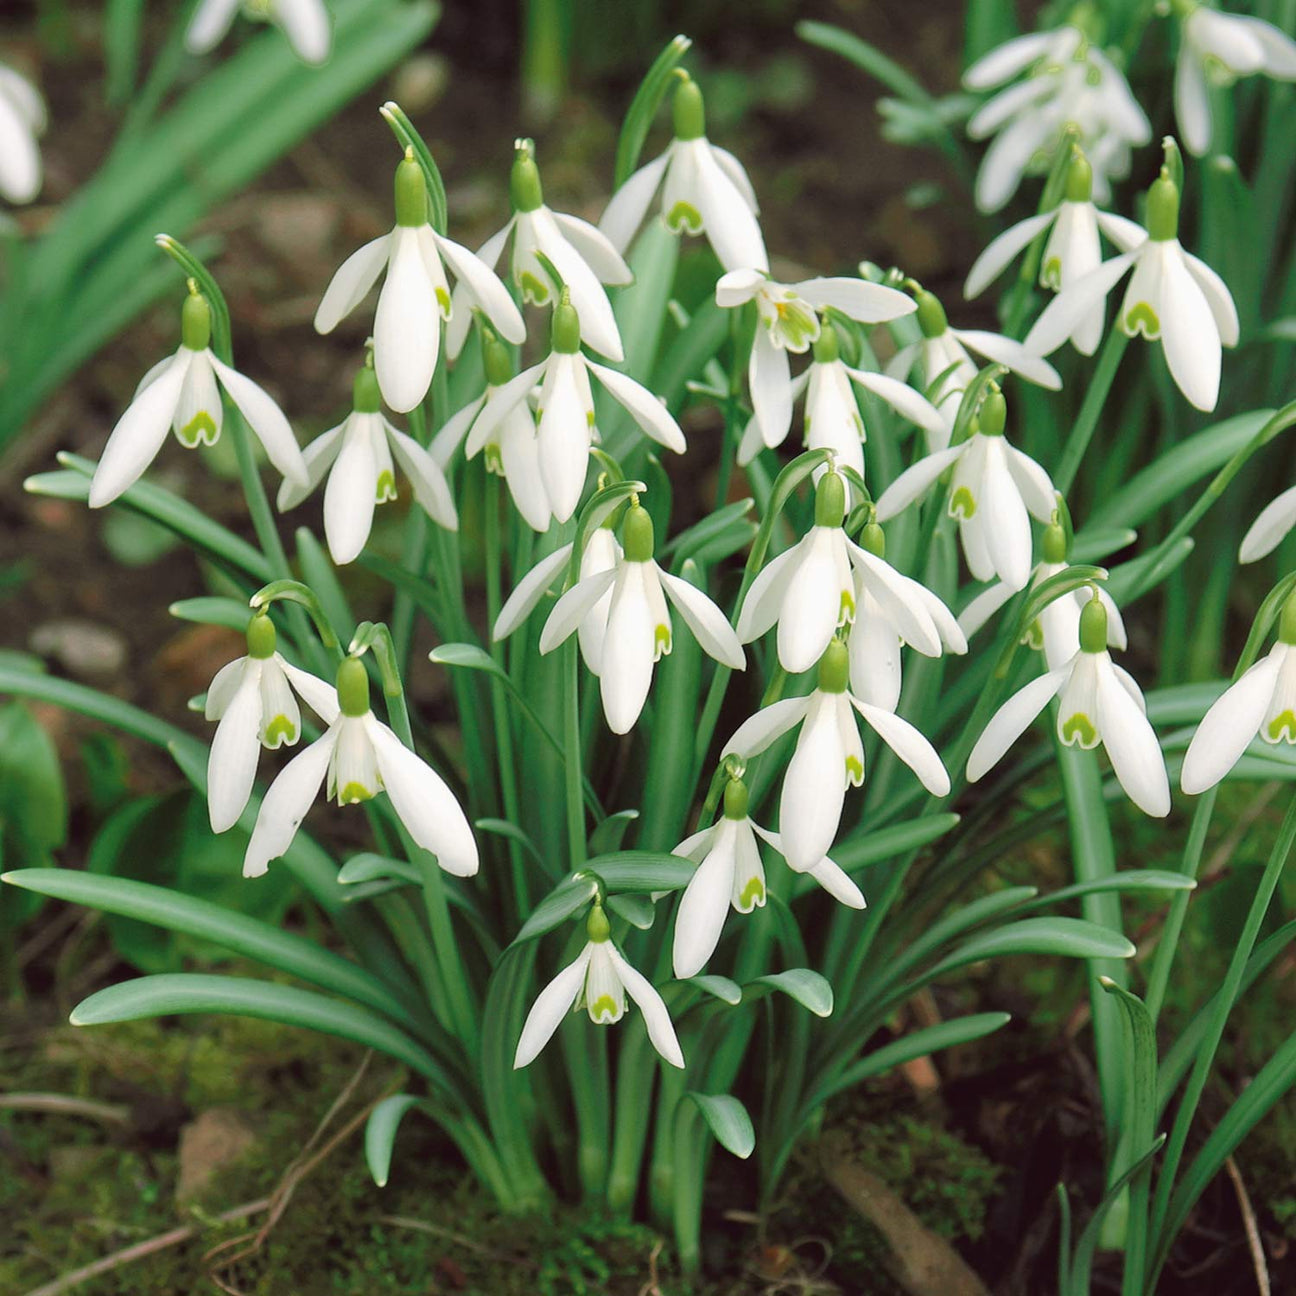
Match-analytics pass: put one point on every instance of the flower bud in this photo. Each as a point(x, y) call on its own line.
point(637, 534)
point(687, 110)
point(834, 668)
point(735, 799)
point(195, 322)
point(260, 637)
point(411, 192)
point(830, 500)
point(353, 687)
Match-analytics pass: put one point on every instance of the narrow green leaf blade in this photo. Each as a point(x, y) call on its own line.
point(380, 1134)
point(728, 1121)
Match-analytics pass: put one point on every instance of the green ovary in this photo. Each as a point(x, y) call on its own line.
point(1282, 727)
point(752, 894)
point(279, 730)
point(1079, 727)
point(386, 486)
point(684, 216)
point(962, 504)
point(1143, 319)
point(201, 429)
point(533, 289)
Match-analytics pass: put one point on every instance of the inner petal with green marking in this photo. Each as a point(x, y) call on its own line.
point(603, 1009)
point(855, 770)
point(962, 504)
point(1078, 728)
point(684, 218)
point(386, 486)
point(1141, 318)
point(354, 793)
point(534, 289)
point(1051, 273)
point(200, 430)
point(661, 642)
point(752, 894)
point(279, 730)
point(1282, 728)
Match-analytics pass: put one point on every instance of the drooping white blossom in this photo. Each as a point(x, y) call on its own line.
point(704, 190)
point(181, 393)
point(304, 22)
point(22, 122)
point(415, 296)
point(1268, 531)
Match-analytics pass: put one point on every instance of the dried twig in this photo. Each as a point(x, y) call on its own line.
point(66, 1105)
point(1254, 1244)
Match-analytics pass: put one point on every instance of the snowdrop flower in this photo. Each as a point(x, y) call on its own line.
point(565, 413)
point(1072, 250)
point(881, 627)
point(1269, 530)
point(787, 321)
point(358, 457)
point(1100, 703)
point(1216, 49)
point(304, 22)
point(252, 699)
point(1072, 90)
point(994, 491)
point(1172, 297)
point(581, 254)
point(829, 756)
point(22, 120)
point(361, 757)
point(415, 296)
point(704, 191)
point(729, 873)
point(181, 393)
point(637, 633)
point(947, 368)
point(598, 981)
point(1056, 630)
point(1262, 702)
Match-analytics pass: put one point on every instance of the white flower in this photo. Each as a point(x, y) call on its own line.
point(1057, 629)
point(565, 412)
point(1072, 91)
point(729, 874)
point(787, 321)
point(704, 191)
point(181, 393)
point(1072, 251)
point(304, 22)
point(637, 632)
point(415, 296)
point(1262, 702)
point(1216, 49)
point(598, 980)
point(1268, 531)
point(829, 756)
point(358, 457)
point(361, 757)
point(994, 490)
point(1172, 297)
point(22, 119)
point(581, 254)
point(1100, 703)
point(893, 611)
point(947, 369)
point(254, 704)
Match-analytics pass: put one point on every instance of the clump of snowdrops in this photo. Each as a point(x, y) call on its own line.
point(708, 822)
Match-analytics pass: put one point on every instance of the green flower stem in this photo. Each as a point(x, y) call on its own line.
point(572, 766)
point(585, 1049)
point(1223, 1005)
point(1091, 408)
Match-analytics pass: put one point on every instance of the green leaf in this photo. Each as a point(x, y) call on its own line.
point(784, 484)
point(233, 614)
point(1065, 937)
point(720, 987)
point(808, 988)
point(380, 1134)
point(33, 800)
point(643, 871)
point(723, 533)
point(368, 867)
point(860, 849)
point(637, 910)
point(868, 58)
point(643, 108)
point(609, 835)
point(567, 898)
point(502, 828)
point(1137, 880)
point(728, 1121)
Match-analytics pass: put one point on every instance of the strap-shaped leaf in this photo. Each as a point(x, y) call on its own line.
point(728, 1121)
point(569, 896)
point(609, 835)
point(1066, 937)
point(380, 1134)
point(808, 988)
point(1131, 880)
point(368, 867)
point(641, 871)
point(643, 107)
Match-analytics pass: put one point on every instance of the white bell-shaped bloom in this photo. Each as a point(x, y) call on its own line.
point(1268, 531)
point(582, 255)
point(1072, 91)
point(304, 22)
point(1172, 297)
point(947, 368)
point(181, 393)
point(1099, 703)
point(1073, 249)
point(22, 122)
point(415, 296)
point(892, 612)
point(252, 698)
point(1262, 702)
point(598, 981)
point(1056, 631)
point(565, 412)
point(788, 322)
point(730, 875)
point(359, 456)
point(829, 756)
point(704, 190)
point(994, 491)
point(361, 757)
point(1216, 49)
point(638, 632)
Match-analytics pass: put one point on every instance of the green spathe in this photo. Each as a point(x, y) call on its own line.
point(1054, 545)
point(1079, 178)
point(994, 413)
point(524, 181)
point(597, 927)
point(565, 335)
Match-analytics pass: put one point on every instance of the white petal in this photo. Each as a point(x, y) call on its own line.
point(563, 434)
point(520, 463)
point(1192, 101)
point(426, 477)
point(597, 323)
point(1000, 252)
point(455, 428)
point(306, 24)
point(837, 882)
point(947, 626)
point(351, 493)
point(1013, 719)
point(1005, 61)
point(656, 1018)
point(407, 325)
point(225, 683)
point(552, 1004)
point(139, 433)
point(896, 596)
point(1229, 727)
point(1125, 234)
point(1278, 48)
point(318, 458)
point(909, 745)
point(814, 787)
point(1132, 746)
point(267, 420)
point(812, 604)
point(318, 694)
point(869, 303)
point(500, 402)
point(916, 481)
point(426, 807)
point(530, 590)
point(764, 599)
point(1006, 160)
point(485, 286)
point(286, 803)
point(766, 726)
point(210, 22)
point(351, 283)
point(1017, 356)
point(983, 607)
point(874, 649)
point(709, 625)
point(1006, 522)
point(571, 609)
point(629, 205)
point(1189, 335)
point(704, 906)
point(629, 649)
point(1268, 530)
point(729, 222)
point(736, 287)
point(1033, 482)
point(900, 396)
point(770, 381)
point(647, 411)
point(1218, 296)
point(595, 248)
point(1064, 314)
point(20, 159)
point(1016, 102)
point(235, 749)
point(738, 174)
point(459, 325)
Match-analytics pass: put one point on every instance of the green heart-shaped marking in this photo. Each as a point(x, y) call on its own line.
point(280, 730)
point(201, 428)
point(354, 793)
point(1080, 726)
point(1283, 724)
point(604, 1005)
point(855, 770)
point(1051, 274)
point(534, 290)
point(846, 610)
point(684, 216)
point(662, 641)
point(1143, 319)
point(386, 486)
point(962, 503)
point(443, 300)
point(752, 894)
